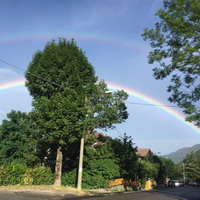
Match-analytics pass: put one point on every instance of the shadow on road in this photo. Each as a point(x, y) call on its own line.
point(183, 193)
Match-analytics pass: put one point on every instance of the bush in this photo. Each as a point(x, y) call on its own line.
point(38, 176)
point(93, 181)
point(17, 173)
point(99, 172)
point(2, 175)
point(12, 174)
point(69, 178)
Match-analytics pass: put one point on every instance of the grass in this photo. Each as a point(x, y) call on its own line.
point(52, 188)
point(44, 187)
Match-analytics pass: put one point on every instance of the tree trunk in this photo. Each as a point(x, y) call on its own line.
point(58, 167)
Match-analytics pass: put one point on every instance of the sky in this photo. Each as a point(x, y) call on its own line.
point(109, 32)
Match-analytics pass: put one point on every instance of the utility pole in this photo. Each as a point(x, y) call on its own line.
point(183, 171)
point(80, 168)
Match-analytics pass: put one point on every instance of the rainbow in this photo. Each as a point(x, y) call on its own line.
point(127, 43)
point(152, 101)
point(12, 84)
point(131, 92)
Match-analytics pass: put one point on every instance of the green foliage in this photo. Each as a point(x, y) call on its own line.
point(166, 168)
point(38, 176)
point(12, 174)
point(100, 166)
point(16, 140)
point(19, 174)
point(157, 168)
point(192, 167)
point(125, 155)
point(93, 182)
point(175, 43)
point(147, 169)
point(57, 78)
point(197, 154)
point(69, 178)
point(178, 172)
point(68, 99)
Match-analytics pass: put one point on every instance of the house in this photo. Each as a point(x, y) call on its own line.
point(143, 152)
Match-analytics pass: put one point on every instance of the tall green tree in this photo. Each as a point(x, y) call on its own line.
point(175, 41)
point(100, 163)
point(16, 140)
point(148, 168)
point(125, 154)
point(68, 100)
point(166, 168)
point(192, 167)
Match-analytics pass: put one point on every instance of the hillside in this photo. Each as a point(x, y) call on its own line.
point(180, 154)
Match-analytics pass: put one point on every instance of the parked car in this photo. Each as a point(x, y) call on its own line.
point(181, 183)
point(175, 183)
point(170, 183)
point(193, 183)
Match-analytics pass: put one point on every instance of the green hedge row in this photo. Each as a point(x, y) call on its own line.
point(19, 174)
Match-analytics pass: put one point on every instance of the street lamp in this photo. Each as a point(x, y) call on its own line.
point(80, 168)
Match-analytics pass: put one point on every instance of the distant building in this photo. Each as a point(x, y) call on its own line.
point(143, 152)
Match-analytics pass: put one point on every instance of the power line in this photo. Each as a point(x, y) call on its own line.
point(155, 105)
point(135, 103)
point(11, 65)
point(39, 77)
point(148, 104)
point(118, 131)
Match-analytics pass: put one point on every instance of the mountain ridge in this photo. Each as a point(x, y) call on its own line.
point(180, 154)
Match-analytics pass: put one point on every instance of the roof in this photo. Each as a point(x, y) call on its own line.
point(142, 152)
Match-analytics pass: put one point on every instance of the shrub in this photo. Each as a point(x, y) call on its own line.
point(2, 175)
point(38, 176)
point(99, 172)
point(69, 178)
point(12, 174)
point(93, 181)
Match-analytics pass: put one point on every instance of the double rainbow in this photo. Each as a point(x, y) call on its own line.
point(131, 92)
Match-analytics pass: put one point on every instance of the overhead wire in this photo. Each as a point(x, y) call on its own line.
point(135, 103)
point(29, 72)
point(118, 131)
point(148, 104)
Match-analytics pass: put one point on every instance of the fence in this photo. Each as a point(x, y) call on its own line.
point(150, 184)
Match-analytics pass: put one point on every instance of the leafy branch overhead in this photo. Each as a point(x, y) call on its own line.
point(175, 41)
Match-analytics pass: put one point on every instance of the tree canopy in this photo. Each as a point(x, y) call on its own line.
point(17, 142)
point(175, 41)
point(68, 99)
point(192, 167)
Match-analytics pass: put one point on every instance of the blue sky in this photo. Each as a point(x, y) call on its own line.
point(109, 31)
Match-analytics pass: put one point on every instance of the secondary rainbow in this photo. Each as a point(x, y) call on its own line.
point(131, 92)
point(127, 43)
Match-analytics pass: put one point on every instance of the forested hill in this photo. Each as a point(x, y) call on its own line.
point(180, 154)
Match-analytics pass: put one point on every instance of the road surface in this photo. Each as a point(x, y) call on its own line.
point(179, 193)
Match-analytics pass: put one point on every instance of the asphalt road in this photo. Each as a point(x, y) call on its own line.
point(182, 193)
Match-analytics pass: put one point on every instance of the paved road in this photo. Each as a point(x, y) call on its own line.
point(183, 193)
